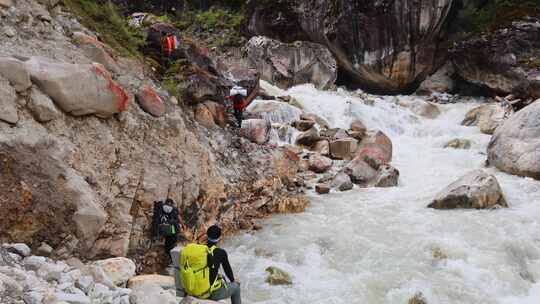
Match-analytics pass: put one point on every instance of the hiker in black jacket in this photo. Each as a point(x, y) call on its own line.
point(166, 223)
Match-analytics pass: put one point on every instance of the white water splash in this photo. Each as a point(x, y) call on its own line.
point(381, 245)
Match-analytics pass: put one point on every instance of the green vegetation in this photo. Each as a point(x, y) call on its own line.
point(498, 13)
point(105, 20)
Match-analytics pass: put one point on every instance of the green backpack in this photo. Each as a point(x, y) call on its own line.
point(195, 272)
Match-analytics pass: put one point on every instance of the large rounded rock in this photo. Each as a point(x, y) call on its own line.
point(120, 270)
point(515, 146)
point(286, 65)
point(150, 101)
point(96, 51)
point(273, 111)
point(15, 71)
point(342, 182)
point(375, 43)
point(78, 89)
point(256, 130)
point(476, 190)
point(376, 146)
point(387, 176)
point(421, 108)
point(440, 82)
point(360, 172)
point(218, 112)
point(487, 117)
point(319, 164)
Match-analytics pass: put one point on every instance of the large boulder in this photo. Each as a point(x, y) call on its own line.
point(487, 117)
point(342, 182)
point(319, 163)
point(151, 293)
point(375, 146)
point(119, 270)
point(150, 101)
point(8, 104)
point(78, 89)
point(343, 148)
point(15, 71)
point(96, 51)
point(287, 65)
point(256, 130)
point(277, 276)
point(501, 60)
point(273, 111)
point(476, 190)
point(514, 146)
point(440, 82)
point(375, 43)
point(387, 176)
point(360, 172)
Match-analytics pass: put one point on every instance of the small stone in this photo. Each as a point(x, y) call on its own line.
point(458, 144)
point(51, 272)
point(150, 101)
point(277, 276)
point(9, 31)
point(322, 188)
point(44, 249)
point(42, 107)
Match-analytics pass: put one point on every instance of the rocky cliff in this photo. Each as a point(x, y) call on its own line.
point(82, 162)
point(384, 46)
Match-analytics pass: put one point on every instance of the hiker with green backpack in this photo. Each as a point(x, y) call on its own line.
point(199, 270)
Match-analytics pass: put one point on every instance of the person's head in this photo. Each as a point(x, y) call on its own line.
point(169, 202)
point(213, 234)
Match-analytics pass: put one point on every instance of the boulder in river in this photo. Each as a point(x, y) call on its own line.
point(476, 189)
point(343, 148)
point(319, 163)
point(342, 182)
point(256, 130)
point(515, 146)
point(458, 143)
point(322, 188)
point(440, 82)
point(273, 111)
point(290, 64)
point(308, 138)
point(375, 146)
point(317, 119)
point(277, 276)
point(387, 176)
point(487, 117)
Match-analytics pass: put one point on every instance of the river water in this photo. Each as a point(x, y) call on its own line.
point(382, 245)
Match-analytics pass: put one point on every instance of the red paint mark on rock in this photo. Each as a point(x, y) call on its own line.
point(150, 101)
point(122, 98)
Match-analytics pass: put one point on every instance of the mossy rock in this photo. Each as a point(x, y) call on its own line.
point(277, 276)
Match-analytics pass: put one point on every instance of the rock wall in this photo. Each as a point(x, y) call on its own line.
point(387, 45)
point(86, 184)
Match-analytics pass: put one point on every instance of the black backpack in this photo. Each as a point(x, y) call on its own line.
point(165, 223)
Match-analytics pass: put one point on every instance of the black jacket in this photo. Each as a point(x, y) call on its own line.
point(157, 216)
point(219, 258)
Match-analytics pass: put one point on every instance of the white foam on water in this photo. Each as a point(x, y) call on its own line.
point(380, 245)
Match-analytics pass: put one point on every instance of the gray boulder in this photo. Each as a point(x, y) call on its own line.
point(487, 117)
point(387, 176)
point(440, 82)
point(120, 269)
point(273, 111)
point(42, 107)
point(18, 248)
point(287, 65)
point(342, 182)
point(8, 102)
point(278, 276)
point(78, 89)
point(476, 190)
point(256, 130)
point(15, 71)
point(515, 146)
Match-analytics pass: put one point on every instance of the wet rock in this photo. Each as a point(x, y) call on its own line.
point(120, 270)
point(342, 182)
point(334, 134)
point(218, 112)
point(358, 126)
point(476, 190)
point(192, 300)
point(414, 47)
point(458, 144)
point(317, 119)
point(150, 101)
point(343, 148)
point(165, 282)
point(319, 163)
point(151, 294)
point(277, 276)
point(387, 176)
point(44, 249)
point(78, 89)
point(322, 147)
point(322, 188)
point(440, 82)
point(417, 299)
point(15, 71)
point(8, 102)
point(273, 111)
point(256, 130)
point(425, 109)
point(514, 146)
point(287, 65)
point(303, 125)
point(487, 117)
point(18, 248)
point(360, 172)
point(375, 147)
point(42, 107)
point(308, 138)
point(96, 51)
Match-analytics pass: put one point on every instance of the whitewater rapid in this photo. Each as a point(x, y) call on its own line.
point(382, 245)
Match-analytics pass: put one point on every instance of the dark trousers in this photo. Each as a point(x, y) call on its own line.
point(170, 242)
point(239, 116)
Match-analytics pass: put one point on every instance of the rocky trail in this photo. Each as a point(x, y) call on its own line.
point(428, 197)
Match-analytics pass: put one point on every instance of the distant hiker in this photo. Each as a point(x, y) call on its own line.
point(199, 268)
point(165, 223)
point(238, 96)
point(169, 46)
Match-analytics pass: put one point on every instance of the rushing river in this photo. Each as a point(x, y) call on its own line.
point(382, 245)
